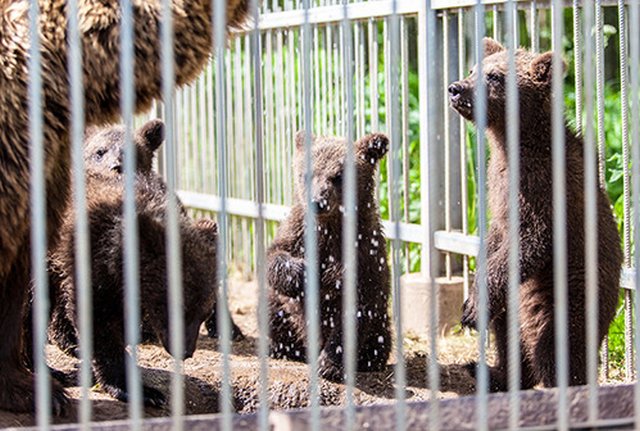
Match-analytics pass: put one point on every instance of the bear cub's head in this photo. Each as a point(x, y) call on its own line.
point(104, 147)
point(199, 278)
point(533, 77)
point(329, 157)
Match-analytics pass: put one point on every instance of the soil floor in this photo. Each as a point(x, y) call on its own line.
point(288, 381)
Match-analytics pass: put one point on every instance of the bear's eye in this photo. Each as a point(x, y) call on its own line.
point(336, 180)
point(495, 78)
point(100, 153)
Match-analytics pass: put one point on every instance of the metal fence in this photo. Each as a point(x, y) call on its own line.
point(345, 69)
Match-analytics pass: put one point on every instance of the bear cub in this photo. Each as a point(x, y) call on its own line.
point(536, 310)
point(104, 152)
point(105, 200)
point(286, 266)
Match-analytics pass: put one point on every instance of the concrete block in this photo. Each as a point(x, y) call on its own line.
point(416, 293)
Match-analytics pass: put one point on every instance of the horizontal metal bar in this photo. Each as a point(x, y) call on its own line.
point(456, 242)
point(454, 4)
point(335, 13)
point(459, 243)
point(409, 232)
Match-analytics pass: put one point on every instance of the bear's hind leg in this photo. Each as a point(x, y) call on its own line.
point(16, 382)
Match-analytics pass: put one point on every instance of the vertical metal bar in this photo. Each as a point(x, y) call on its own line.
point(174, 255)
point(269, 138)
point(263, 317)
point(310, 244)
point(599, 30)
point(513, 152)
point(404, 70)
point(131, 264)
point(37, 195)
point(325, 106)
point(482, 375)
point(634, 55)
point(447, 136)
point(427, 41)
point(82, 250)
point(219, 18)
point(497, 30)
point(577, 61)
point(394, 200)
point(600, 89)
point(535, 39)
point(464, 193)
point(330, 84)
point(349, 224)
point(590, 218)
point(360, 46)
point(626, 193)
point(373, 73)
point(319, 120)
point(559, 218)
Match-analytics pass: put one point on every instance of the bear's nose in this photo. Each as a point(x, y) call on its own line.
point(117, 168)
point(455, 90)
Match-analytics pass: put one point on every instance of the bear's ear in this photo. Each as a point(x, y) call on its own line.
point(300, 136)
point(542, 68)
point(152, 134)
point(209, 230)
point(373, 147)
point(491, 46)
point(90, 132)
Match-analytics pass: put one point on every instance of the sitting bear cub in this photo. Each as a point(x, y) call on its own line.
point(536, 311)
point(286, 265)
point(105, 199)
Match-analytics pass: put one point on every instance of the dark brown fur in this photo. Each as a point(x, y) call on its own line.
point(100, 26)
point(105, 205)
point(536, 312)
point(286, 266)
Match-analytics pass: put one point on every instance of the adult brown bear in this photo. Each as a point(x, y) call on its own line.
point(99, 22)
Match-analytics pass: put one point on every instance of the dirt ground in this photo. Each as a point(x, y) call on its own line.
point(288, 381)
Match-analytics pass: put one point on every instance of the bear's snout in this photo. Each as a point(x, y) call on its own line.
point(461, 99)
point(455, 90)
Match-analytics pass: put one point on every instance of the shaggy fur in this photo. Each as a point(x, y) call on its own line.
point(105, 197)
point(100, 38)
point(104, 152)
point(536, 311)
point(286, 266)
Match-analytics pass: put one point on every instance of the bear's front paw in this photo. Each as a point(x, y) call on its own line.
point(469, 314)
point(329, 370)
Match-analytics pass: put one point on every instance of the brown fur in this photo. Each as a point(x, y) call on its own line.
point(105, 196)
point(100, 25)
point(286, 266)
point(536, 312)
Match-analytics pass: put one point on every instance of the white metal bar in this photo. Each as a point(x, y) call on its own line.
point(464, 193)
point(263, 315)
point(482, 373)
point(447, 135)
point(559, 219)
point(82, 247)
point(131, 257)
point(174, 257)
point(394, 170)
point(626, 179)
point(219, 18)
point(334, 13)
point(590, 218)
point(634, 55)
point(349, 225)
point(513, 154)
point(310, 237)
point(37, 194)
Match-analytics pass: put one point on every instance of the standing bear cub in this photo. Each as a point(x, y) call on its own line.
point(536, 310)
point(104, 152)
point(286, 265)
